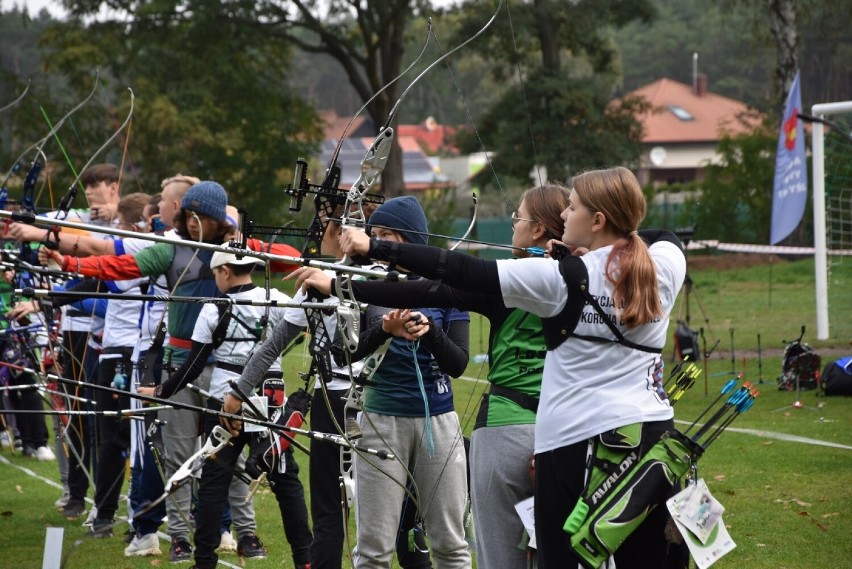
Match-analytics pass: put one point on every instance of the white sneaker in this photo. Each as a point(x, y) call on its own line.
point(143, 546)
point(228, 544)
point(63, 500)
point(5, 440)
point(44, 454)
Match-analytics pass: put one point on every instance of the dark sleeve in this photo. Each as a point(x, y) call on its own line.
point(264, 355)
point(451, 349)
point(422, 292)
point(191, 369)
point(86, 285)
point(455, 269)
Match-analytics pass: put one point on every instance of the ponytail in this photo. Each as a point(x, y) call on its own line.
point(616, 193)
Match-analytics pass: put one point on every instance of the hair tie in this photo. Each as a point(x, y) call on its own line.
point(633, 233)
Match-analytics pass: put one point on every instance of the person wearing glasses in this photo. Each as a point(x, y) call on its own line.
point(600, 367)
point(506, 417)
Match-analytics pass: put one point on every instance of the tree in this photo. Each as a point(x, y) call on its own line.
point(782, 22)
point(212, 98)
point(366, 38)
point(560, 69)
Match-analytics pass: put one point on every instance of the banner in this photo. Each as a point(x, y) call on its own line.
point(790, 191)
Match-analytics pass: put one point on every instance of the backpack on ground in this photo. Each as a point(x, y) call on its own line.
point(836, 378)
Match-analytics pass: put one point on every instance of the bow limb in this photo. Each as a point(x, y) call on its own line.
point(469, 227)
point(330, 174)
point(39, 145)
point(109, 140)
point(20, 98)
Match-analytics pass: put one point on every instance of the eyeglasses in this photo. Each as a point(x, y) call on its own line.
point(516, 219)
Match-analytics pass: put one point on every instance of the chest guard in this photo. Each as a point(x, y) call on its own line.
point(199, 267)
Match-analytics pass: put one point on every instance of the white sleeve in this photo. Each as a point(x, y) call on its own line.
point(534, 285)
point(206, 323)
point(670, 263)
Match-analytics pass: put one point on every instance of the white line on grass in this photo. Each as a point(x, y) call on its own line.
point(782, 437)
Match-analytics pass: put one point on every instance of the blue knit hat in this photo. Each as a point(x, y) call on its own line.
point(404, 215)
point(206, 198)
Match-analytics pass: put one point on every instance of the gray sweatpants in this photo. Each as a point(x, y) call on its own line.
point(441, 488)
point(180, 439)
point(499, 479)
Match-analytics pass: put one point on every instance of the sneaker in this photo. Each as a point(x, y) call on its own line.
point(44, 454)
point(250, 546)
point(5, 440)
point(73, 510)
point(144, 546)
point(227, 544)
point(29, 452)
point(101, 528)
point(63, 500)
point(90, 519)
point(19, 445)
point(129, 535)
point(180, 550)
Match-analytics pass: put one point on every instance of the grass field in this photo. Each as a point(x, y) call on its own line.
point(787, 502)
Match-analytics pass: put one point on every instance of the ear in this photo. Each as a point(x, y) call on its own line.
point(539, 231)
point(598, 221)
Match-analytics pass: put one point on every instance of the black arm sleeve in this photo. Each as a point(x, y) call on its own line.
point(451, 348)
point(191, 369)
point(455, 269)
point(423, 292)
point(84, 286)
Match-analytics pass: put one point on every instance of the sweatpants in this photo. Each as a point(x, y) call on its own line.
point(440, 487)
point(181, 439)
point(499, 479)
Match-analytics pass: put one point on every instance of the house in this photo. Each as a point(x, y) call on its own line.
point(419, 171)
point(683, 127)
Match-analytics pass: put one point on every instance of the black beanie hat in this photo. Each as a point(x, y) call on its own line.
point(405, 215)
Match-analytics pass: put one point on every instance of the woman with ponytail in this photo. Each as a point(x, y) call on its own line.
point(605, 312)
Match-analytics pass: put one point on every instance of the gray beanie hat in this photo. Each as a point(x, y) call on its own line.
point(206, 198)
point(405, 215)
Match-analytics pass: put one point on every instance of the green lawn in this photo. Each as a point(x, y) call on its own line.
point(787, 502)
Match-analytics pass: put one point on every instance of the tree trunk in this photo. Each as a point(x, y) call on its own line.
point(548, 36)
point(782, 23)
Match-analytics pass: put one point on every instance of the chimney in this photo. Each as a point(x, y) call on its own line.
point(701, 85)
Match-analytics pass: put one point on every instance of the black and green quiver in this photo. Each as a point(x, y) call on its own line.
point(616, 503)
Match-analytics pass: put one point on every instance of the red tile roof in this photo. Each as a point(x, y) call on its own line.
point(712, 114)
point(433, 137)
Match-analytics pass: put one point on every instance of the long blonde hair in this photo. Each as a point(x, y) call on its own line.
point(617, 195)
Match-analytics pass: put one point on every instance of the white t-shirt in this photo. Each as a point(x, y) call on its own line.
point(121, 322)
point(236, 352)
point(592, 387)
point(150, 312)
